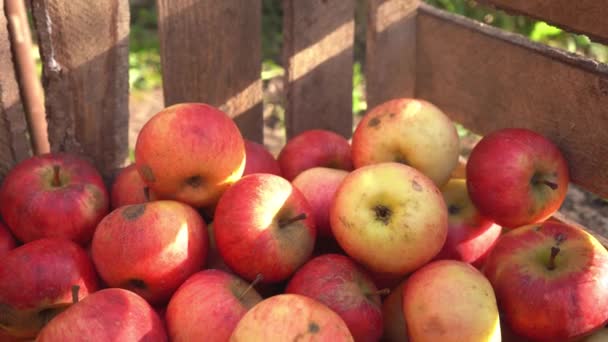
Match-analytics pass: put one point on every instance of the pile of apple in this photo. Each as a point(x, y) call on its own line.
point(208, 237)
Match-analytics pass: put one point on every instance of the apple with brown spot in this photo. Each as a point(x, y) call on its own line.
point(291, 317)
point(36, 282)
point(259, 160)
point(108, 315)
point(7, 241)
point(338, 282)
point(151, 248)
point(129, 188)
point(53, 195)
point(208, 306)
point(264, 225)
point(409, 131)
point(190, 152)
point(312, 148)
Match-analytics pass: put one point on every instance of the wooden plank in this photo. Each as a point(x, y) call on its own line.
point(318, 38)
point(14, 145)
point(211, 53)
point(488, 79)
point(390, 62)
point(84, 49)
point(582, 16)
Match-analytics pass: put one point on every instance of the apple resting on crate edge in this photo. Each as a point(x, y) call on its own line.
point(409, 131)
point(517, 177)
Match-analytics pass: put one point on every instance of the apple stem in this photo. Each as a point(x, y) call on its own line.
point(56, 179)
point(283, 223)
point(258, 278)
point(554, 252)
point(75, 290)
point(550, 184)
point(147, 193)
point(382, 292)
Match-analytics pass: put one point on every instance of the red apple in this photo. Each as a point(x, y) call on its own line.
point(470, 235)
point(516, 177)
point(409, 131)
point(107, 315)
point(389, 217)
point(150, 249)
point(336, 281)
point(53, 195)
point(313, 148)
point(214, 259)
point(291, 317)
point(208, 306)
point(190, 152)
point(36, 282)
point(129, 188)
point(319, 186)
point(7, 242)
point(551, 281)
point(264, 225)
point(259, 160)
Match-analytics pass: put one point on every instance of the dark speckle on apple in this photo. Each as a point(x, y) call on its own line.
point(416, 186)
point(313, 327)
point(147, 173)
point(374, 122)
point(132, 212)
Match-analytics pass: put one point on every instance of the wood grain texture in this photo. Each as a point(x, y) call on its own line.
point(14, 144)
point(84, 49)
point(390, 62)
point(582, 16)
point(488, 79)
point(211, 53)
point(318, 38)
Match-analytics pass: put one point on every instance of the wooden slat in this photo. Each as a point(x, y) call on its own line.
point(84, 49)
point(390, 62)
point(488, 79)
point(211, 53)
point(14, 145)
point(583, 16)
point(318, 38)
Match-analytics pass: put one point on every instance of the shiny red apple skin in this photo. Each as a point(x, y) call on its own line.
point(319, 186)
point(7, 241)
point(470, 235)
point(312, 148)
point(208, 306)
point(550, 305)
point(34, 208)
point(38, 276)
point(503, 172)
point(129, 188)
point(338, 282)
point(190, 152)
point(291, 317)
point(110, 315)
point(151, 248)
point(259, 160)
point(247, 231)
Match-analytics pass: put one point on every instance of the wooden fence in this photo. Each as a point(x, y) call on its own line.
point(481, 76)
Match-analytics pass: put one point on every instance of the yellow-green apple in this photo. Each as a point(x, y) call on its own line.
point(7, 241)
point(259, 160)
point(264, 225)
point(108, 315)
point(36, 282)
point(338, 282)
point(551, 281)
point(319, 186)
point(395, 329)
point(53, 195)
point(312, 148)
point(389, 217)
point(291, 317)
point(409, 131)
point(450, 300)
point(151, 248)
point(516, 177)
point(190, 152)
point(599, 336)
point(208, 306)
point(129, 188)
point(470, 235)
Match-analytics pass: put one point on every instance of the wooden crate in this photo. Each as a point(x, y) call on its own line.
point(481, 76)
